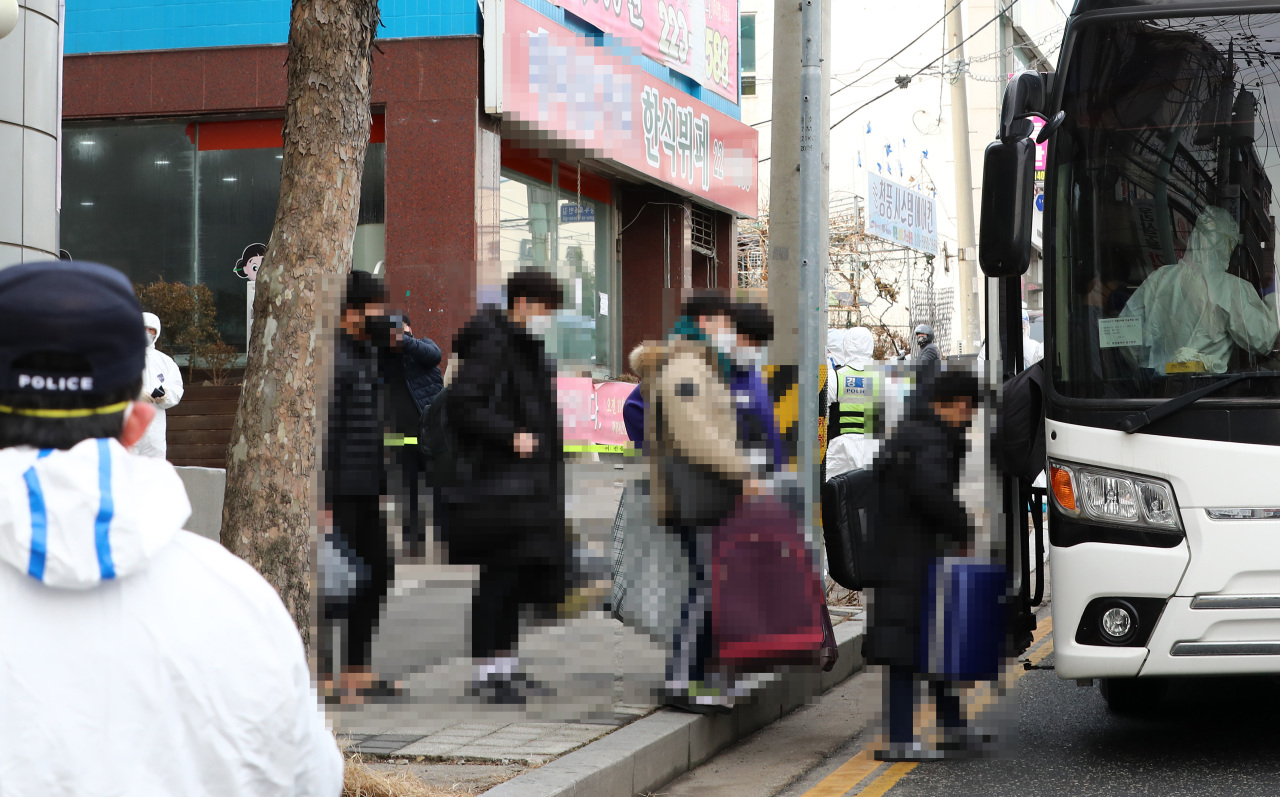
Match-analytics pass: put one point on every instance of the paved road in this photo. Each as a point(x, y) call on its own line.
point(1210, 737)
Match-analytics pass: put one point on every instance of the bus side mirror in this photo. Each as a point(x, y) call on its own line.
point(1008, 196)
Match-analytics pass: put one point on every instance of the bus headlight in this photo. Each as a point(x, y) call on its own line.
point(1114, 496)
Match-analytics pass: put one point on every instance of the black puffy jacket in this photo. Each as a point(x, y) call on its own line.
point(916, 516)
point(502, 503)
point(353, 452)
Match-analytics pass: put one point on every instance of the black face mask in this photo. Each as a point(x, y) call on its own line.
point(380, 329)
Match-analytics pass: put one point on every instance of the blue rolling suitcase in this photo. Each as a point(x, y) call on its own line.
point(964, 620)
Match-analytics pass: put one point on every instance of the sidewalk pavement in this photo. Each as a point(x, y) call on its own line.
point(638, 749)
point(603, 675)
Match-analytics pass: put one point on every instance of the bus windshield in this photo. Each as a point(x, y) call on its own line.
point(1164, 234)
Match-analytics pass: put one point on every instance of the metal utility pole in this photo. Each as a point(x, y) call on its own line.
point(798, 223)
point(964, 189)
point(813, 245)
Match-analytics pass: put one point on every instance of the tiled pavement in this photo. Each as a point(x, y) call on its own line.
point(603, 672)
point(528, 742)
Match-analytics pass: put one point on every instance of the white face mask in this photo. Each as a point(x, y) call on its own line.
point(540, 325)
point(151, 338)
point(726, 342)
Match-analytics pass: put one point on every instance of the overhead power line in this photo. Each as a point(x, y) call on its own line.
point(867, 74)
point(900, 52)
point(901, 83)
point(915, 74)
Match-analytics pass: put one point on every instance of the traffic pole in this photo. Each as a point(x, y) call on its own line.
point(812, 249)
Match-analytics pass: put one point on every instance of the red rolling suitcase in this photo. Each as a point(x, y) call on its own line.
point(767, 603)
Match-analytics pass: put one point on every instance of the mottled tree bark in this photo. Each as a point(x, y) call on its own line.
point(267, 512)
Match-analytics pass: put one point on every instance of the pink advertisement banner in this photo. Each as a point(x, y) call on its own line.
point(697, 38)
point(591, 414)
point(609, 428)
point(558, 85)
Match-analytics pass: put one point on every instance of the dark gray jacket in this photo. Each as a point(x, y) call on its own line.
point(422, 370)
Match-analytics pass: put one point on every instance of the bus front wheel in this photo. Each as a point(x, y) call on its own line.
point(1129, 696)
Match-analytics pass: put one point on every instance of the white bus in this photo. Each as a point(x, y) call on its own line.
point(1161, 368)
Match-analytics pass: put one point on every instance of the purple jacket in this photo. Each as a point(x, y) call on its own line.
point(633, 417)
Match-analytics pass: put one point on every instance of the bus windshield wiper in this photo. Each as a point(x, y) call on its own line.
point(1132, 423)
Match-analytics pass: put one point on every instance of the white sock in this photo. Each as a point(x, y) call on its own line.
point(506, 666)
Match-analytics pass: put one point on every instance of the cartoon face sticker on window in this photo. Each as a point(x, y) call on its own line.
point(249, 262)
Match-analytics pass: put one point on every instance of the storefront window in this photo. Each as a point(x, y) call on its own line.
point(128, 200)
point(181, 202)
point(556, 230)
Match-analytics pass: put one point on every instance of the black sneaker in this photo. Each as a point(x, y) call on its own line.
point(967, 741)
point(496, 690)
point(527, 687)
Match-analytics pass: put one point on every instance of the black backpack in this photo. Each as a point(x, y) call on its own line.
point(845, 499)
point(436, 441)
point(1020, 444)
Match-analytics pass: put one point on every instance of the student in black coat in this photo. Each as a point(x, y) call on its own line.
point(355, 475)
point(916, 516)
point(505, 510)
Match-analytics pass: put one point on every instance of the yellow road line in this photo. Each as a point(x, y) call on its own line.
point(857, 768)
point(1039, 655)
point(887, 781)
point(850, 774)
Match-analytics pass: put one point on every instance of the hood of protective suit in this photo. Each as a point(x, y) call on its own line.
point(1214, 238)
point(835, 345)
point(151, 321)
point(859, 347)
point(73, 519)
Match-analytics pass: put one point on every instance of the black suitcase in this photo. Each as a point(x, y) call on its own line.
point(844, 525)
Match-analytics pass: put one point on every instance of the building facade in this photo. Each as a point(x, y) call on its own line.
point(505, 135)
point(29, 131)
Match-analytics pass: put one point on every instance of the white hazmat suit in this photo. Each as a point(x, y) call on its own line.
point(853, 348)
point(1194, 310)
point(160, 371)
point(138, 658)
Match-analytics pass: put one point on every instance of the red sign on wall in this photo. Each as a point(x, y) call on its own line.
point(595, 99)
point(698, 38)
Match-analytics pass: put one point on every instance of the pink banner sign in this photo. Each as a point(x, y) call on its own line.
point(591, 414)
point(574, 395)
point(698, 38)
point(609, 428)
point(559, 86)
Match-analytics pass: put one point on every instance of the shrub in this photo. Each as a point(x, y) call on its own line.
point(189, 325)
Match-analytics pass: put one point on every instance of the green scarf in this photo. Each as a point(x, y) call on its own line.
point(688, 329)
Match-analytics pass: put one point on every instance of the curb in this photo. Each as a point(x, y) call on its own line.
point(651, 752)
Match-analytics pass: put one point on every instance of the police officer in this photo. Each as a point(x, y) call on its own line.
point(857, 401)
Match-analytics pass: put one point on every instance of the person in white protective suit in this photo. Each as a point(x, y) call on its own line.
point(1032, 349)
point(136, 658)
point(855, 395)
point(1192, 312)
point(162, 385)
